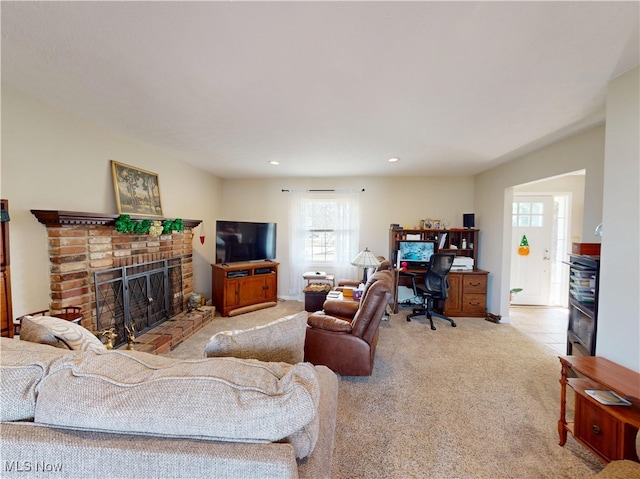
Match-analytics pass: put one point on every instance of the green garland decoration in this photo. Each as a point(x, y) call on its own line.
point(124, 224)
point(171, 226)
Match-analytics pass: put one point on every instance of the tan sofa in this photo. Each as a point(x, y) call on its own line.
point(624, 469)
point(82, 414)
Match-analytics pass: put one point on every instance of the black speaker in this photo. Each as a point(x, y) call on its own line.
point(468, 220)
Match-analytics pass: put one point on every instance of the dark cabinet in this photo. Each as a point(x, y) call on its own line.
point(584, 273)
point(6, 312)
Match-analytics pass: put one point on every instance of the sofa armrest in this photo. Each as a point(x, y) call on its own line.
point(341, 309)
point(320, 320)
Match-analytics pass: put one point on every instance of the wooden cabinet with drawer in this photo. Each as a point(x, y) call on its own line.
point(609, 431)
point(244, 286)
point(595, 427)
point(467, 294)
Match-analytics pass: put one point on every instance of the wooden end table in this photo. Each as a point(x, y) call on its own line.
point(607, 431)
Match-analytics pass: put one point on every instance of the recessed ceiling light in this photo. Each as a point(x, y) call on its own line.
point(273, 162)
point(393, 160)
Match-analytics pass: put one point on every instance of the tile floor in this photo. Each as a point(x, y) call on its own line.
point(545, 324)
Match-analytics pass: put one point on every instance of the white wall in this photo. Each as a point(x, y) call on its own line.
point(618, 336)
point(610, 198)
point(53, 160)
point(385, 200)
point(494, 195)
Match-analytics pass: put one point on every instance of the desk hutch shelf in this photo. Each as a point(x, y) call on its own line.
point(467, 289)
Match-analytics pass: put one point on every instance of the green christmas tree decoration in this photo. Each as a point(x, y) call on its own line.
point(523, 249)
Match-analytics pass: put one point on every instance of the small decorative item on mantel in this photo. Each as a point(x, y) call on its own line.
point(156, 228)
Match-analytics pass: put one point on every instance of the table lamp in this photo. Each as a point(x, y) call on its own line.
point(366, 260)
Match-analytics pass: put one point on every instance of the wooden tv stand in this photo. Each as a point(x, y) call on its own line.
point(242, 287)
point(607, 431)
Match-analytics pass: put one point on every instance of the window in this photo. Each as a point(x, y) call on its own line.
point(320, 246)
point(529, 214)
point(324, 229)
point(320, 225)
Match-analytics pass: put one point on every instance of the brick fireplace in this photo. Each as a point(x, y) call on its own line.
point(82, 244)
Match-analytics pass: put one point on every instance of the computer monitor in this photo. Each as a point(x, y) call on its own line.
point(416, 253)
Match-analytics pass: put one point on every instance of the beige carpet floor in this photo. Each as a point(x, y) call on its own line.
point(477, 401)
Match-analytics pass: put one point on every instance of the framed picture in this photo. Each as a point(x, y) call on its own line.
point(437, 225)
point(137, 191)
point(428, 224)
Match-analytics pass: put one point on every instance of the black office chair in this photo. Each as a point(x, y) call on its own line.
point(436, 286)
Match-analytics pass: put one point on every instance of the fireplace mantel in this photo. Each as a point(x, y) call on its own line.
point(57, 218)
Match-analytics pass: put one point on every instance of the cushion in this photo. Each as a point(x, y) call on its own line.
point(281, 340)
point(320, 320)
point(22, 367)
point(59, 333)
point(226, 399)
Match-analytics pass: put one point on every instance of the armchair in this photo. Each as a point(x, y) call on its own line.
point(343, 336)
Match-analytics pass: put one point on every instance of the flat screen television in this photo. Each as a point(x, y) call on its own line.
point(245, 241)
point(416, 253)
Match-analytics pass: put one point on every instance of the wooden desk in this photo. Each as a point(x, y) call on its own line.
point(467, 292)
point(607, 431)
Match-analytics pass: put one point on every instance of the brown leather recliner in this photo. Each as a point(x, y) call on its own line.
point(343, 336)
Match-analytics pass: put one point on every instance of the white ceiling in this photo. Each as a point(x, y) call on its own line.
point(326, 88)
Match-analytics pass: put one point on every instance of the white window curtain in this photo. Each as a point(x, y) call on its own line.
point(340, 212)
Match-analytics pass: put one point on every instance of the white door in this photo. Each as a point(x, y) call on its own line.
point(531, 216)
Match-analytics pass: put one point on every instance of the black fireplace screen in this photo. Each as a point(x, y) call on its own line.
point(142, 295)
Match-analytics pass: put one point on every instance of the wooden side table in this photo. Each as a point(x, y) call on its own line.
point(315, 296)
point(319, 277)
point(68, 313)
point(607, 431)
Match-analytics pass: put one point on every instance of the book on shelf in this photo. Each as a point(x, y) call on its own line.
point(608, 398)
point(442, 239)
